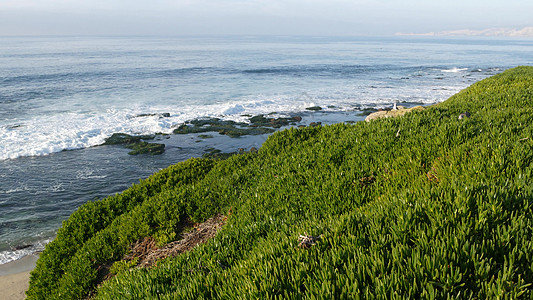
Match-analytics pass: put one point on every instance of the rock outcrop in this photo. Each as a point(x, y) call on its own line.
point(392, 113)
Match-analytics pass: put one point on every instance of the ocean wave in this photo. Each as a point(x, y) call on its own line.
point(320, 69)
point(8, 256)
point(18, 189)
point(56, 129)
point(87, 173)
point(43, 135)
point(454, 70)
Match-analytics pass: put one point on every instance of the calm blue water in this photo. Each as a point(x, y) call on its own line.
point(70, 93)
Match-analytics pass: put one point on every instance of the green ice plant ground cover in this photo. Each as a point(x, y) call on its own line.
point(422, 206)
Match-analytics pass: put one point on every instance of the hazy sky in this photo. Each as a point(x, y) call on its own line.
point(291, 17)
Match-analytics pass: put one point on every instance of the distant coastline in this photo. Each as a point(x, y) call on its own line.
point(490, 32)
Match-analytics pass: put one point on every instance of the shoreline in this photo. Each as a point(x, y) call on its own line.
point(15, 277)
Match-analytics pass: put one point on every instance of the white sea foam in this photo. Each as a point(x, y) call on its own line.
point(454, 70)
point(17, 189)
point(87, 173)
point(12, 255)
point(43, 135)
point(47, 134)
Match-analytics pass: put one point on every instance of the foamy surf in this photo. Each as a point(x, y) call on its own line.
point(8, 256)
point(44, 135)
point(454, 70)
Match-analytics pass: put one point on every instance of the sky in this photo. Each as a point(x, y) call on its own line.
point(258, 17)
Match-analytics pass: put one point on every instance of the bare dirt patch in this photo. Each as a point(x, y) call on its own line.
point(148, 254)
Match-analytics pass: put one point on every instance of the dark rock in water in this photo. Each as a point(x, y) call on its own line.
point(214, 153)
point(21, 247)
point(238, 132)
point(464, 115)
point(147, 137)
point(136, 143)
point(162, 115)
point(15, 126)
point(205, 136)
point(215, 122)
point(314, 108)
point(253, 150)
point(122, 138)
point(229, 128)
point(144, 147)
point(315, 124)
point(367, 111)
point(259, 125)
point(212, 150)
point(261, 120)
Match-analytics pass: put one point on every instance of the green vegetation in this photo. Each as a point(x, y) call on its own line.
point(422, 206)
point(122, 266)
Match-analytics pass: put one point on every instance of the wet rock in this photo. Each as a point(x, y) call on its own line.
point(315, 124)
point(146, 148)
point(14, 126)
point(215, 122)
point(136, 143)
point(21, 247)
point(259, 120)
point(205, 136)
point(262, 121)
point(314, 108)
point(161, 115)
point(229, 128)
point(367, 111)
point(238, 132)
point(122, 138)
point(259, 125)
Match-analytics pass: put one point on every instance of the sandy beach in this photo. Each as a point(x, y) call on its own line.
point(15, 276)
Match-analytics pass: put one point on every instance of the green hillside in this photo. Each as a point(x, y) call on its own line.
point(422, 206)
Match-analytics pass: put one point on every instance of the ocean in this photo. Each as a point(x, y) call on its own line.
point(61, 97)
